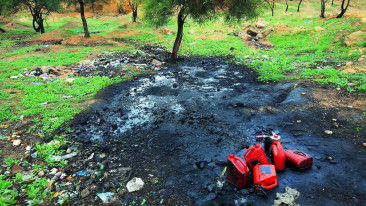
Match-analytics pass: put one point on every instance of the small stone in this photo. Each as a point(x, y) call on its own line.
point(85, 192)
point(334, 120)
point(191, 32)
point(16, 142)
point(40, 173)
point(135, 184)
point(53, 171)
point(299, 121)
point(330, 158)
point(26, 156)
point(328, 132)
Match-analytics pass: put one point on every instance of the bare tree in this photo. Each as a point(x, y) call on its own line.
point(298, 6)
point(134, 4)
point(286, 6)
point(83, 19)
point(343, 9)
point(322, 8)
point(271, 4)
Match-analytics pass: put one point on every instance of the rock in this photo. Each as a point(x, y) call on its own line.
point(16, 142)
point(168, 32)
point(244, 36)
point(16, 169)
point(27, 175)
point(260, 36)
point(211, 196)
point(328, 132)
point(155, 62)
point(40, 173)
point(191, 32)
point(252, 32)
point(53, 171)
point(85, 192)
point(266, 32)
point(135, 184)
point(261, 24)
point(318, 28)
point(289, 197)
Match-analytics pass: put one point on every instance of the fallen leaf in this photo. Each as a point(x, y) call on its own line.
point(17, 133)
point(4, 126)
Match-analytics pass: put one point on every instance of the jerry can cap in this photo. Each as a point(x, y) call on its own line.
point(275, 137)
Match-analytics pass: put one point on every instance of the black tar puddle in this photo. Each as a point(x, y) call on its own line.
point(176, 128)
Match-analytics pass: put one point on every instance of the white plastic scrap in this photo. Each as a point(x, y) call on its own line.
point(105, 196)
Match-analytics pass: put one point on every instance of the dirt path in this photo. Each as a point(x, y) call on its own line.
point(176, 128)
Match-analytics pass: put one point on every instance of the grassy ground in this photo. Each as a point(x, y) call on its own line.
point(301, 51)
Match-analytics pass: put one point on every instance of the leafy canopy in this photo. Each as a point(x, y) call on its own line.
point(160, 12)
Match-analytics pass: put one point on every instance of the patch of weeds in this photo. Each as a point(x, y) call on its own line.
point(7, 194)
point(10, 161)
point(36, 190)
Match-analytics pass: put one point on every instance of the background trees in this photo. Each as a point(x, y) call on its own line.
point(343, 9)
point(159, 12)
point(39, 9)
point(134, 4)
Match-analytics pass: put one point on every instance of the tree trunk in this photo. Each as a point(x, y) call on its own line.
point(298, 7)
point(322, 9)
point(85, 24)
point(343, 10)
point(178, 39)
point(40, 23)
point(37, 29)
point(134, 15)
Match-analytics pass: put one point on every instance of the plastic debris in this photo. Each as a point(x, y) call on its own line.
point(14, 77)
point(84, 173)
point(16, 142)
point(289, 197)
point(135, 184)
point(105, 196)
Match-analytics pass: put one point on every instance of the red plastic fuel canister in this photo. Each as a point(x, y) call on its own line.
point(299, 159)
point(255, 155)
point(265, 175)
point(278, 153)
point(237, 172)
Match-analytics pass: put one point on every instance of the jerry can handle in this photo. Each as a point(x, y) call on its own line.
point(241, 161)
point(300, 153)
point(274, 184)
point(246, 153)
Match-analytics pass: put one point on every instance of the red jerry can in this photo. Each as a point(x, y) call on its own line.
point(237, 172)
point(265, 175)
point(255, 155)
point(299, 159)
point(278, 153)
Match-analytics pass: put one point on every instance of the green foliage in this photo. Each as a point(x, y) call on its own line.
point(7, 194)
point(159, 12)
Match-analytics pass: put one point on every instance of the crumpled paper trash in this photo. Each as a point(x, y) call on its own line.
point(288, 198)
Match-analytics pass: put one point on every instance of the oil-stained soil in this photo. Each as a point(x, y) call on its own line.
point(176, 128)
